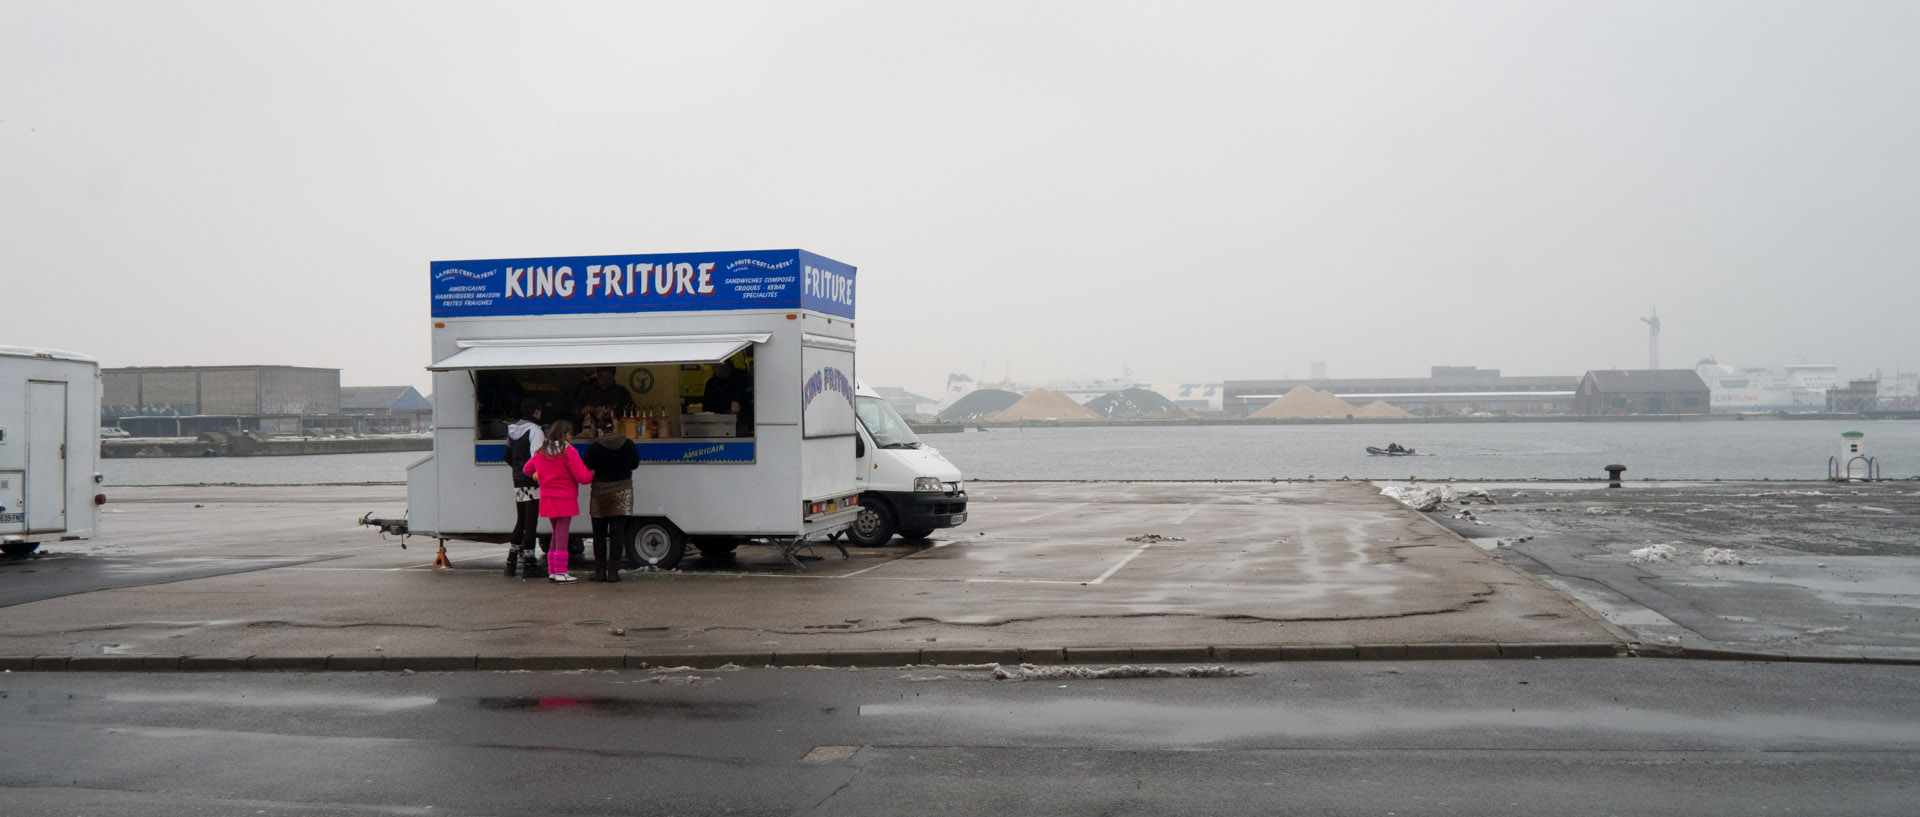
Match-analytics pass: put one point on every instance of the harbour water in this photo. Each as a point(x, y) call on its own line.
point(1780, 450)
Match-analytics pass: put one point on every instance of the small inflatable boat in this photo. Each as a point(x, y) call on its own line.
point(1381, 452)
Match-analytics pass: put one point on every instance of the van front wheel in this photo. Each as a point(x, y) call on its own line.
point(873, 527)
point(660, 544)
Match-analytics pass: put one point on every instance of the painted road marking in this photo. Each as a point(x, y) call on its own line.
point(1123, 563)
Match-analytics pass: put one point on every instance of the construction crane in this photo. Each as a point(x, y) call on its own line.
point(1653, 339)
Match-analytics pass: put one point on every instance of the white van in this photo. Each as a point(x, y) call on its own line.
point(49, 448)
point(907, 488)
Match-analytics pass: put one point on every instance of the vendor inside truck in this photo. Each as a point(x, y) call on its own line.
point(730, 392)
point(600, 391)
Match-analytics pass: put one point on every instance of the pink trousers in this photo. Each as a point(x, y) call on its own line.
point(557, 549)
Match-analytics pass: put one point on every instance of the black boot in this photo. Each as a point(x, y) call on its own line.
point(513, 561)
point(534, 566)
point(600, 561)
point(616, 538)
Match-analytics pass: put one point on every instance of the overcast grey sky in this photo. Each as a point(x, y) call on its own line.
point(1199, 191)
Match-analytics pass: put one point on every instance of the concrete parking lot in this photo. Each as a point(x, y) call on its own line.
point(1043, 571)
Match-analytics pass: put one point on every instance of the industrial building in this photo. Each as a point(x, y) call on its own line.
point(181, 401)
point(1859, 395)
point(1447, 391)
point(385, 409)
point(1607, 392)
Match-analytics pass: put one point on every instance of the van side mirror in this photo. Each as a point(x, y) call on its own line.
point(859, 446)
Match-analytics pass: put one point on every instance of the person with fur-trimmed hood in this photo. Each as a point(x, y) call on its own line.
point(523, 438)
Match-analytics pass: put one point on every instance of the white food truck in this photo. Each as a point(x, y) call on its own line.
point(782, 471)
point(49, 447)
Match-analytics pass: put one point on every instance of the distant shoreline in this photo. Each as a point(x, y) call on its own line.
point(962, 425)
point(241, 446)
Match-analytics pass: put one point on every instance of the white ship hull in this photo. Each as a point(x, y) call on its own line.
point(1794, 388)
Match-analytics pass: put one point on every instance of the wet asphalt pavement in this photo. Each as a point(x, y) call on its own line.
point(1815, 570)
point(65, 571)
point(1047, 569)
point(1581, 736)
point(1806, 569)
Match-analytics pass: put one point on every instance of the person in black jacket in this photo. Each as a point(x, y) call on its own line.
point(523, 438)
point(611, 457)
point(730, 392)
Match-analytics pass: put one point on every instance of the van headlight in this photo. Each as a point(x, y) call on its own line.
point(928, 484)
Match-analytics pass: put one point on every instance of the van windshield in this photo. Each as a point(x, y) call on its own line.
point(888, 430)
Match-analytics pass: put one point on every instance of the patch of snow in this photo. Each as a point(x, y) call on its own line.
point(677, 680)
point(1663, 554)
point(1421, 498)
point(1722, 556)
point(1029, 672)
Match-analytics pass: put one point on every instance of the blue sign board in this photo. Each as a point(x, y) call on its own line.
point(674, 282)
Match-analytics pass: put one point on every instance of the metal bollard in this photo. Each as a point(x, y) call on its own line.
point(1613, 475)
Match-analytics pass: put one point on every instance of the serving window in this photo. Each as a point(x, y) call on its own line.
point(682, 398)
point(662, 401)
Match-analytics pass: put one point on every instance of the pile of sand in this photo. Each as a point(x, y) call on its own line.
point(1382, 410)
point(1044, 404)
point(1305, 403)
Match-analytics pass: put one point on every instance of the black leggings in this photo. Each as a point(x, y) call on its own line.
point(609, 539)
point(526, 523)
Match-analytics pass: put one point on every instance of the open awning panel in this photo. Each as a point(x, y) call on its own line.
point(560, 353)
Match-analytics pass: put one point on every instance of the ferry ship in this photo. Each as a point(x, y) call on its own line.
point(1795, 387)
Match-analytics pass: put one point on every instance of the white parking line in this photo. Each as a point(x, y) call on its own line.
point(1059, 510)
point(936, 546)
point(1123, 563)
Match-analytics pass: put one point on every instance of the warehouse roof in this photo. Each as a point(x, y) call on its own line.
point(396, 398)
point(1646, 380)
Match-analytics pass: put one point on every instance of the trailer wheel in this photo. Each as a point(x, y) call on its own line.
point(715, 548)
point(19, 548)
point(660, 544)
point(873, 527)
point(916, 534)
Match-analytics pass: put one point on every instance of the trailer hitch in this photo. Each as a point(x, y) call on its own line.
point(397, 527)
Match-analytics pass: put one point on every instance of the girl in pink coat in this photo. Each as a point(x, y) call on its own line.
point(561, 473)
